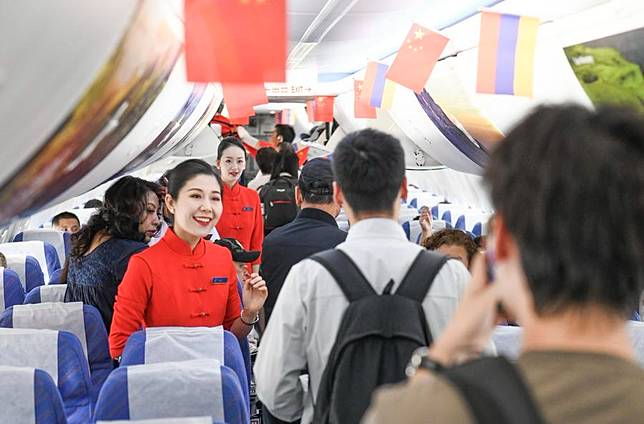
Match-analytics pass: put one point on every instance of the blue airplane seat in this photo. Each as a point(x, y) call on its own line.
point(11, 291)
point(50, 293)
point(61, 240)
point(202, 387)
point(84, 321)
point(55, 276)
point(43, 251)
point(28, 270)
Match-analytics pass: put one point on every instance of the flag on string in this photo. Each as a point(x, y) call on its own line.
point(240, 98)
point(240, 41)
point(506, 54)
point(361, 109)
point(416, 57)
point(324, 108)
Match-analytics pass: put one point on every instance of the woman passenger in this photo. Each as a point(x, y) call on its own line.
point(184, 280)
point(102, 248)
point(242, 215)
point(456, 244)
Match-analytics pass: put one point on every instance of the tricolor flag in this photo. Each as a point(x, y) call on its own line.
point(506, 54)
point(378, 90)
point(416, 58)
point(361, 108)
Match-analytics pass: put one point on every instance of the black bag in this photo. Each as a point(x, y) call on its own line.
point(377, 335)
point(278, 201)
point(495, 392)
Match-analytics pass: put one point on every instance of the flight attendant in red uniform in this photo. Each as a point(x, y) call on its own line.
point(184, 280)
point(242, 216)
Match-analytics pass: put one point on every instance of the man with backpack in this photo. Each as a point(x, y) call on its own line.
point(351, 317)
point(568, 188)
point(278, 195)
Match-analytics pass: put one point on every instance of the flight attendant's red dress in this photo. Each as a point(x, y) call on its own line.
point(242, 218)
point(169, 284)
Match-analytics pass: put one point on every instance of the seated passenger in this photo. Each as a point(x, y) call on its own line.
point(369, 166)
point(3, 260)
point(456, 244)
point(264, 158)
point(570, 279)
point(102, 248)
point(66, 221)
point(313, 231)
point(184, 280)
point(93, 203)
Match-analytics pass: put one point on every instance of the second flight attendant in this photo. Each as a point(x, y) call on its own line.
point(242, 216)
point(184, 280)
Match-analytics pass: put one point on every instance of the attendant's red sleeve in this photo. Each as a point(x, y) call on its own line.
point(257, 237)
point(131, 303)
point(233, 305)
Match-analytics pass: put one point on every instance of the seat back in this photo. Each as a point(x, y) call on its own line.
point(44, 253)
point(507, 340)
point(84, 321)
point(61, 240)
point(469, 220)
point(201, 387)
point(172, 344)
point(11, 291)
point(28, 270)
point(59, 354)
point(43, 294)
point(32, 397)
point(184, 420)
point(636, 332)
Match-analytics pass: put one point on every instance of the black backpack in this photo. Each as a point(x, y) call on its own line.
point(377, 335)
point(278, 201)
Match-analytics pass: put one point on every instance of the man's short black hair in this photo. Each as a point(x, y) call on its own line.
point(569, 184)
point(64, 215)
point(369, 167)
point(265, 158)
point(286, 131)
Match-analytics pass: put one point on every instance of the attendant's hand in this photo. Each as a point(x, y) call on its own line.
point(471, 327)
point(254, 294)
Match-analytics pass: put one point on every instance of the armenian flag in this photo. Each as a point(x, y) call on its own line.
point(506, 54)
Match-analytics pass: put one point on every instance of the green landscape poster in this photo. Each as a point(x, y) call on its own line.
point(610, 69)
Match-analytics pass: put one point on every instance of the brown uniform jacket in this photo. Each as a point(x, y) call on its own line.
point(569, 387)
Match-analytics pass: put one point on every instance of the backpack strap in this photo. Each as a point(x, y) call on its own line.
point(346, 273)
point(495, 392)
point(421, 275)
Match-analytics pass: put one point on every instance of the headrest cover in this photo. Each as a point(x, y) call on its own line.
point(17, 398)
point(169, 344)
point(33, 348)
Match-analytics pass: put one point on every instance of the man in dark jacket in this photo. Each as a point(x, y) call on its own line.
point(313, 231)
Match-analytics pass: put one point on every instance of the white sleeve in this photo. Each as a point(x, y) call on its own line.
point(282, 355)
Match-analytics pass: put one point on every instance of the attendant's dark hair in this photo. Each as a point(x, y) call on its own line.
point(265, 158)
point(64, 215)
point(228, 142)
point(569, 185)
point(185, 171)
point(124, 204)
point(369, 167)
point(285, 161)
point(451, 237)
point(286, 131)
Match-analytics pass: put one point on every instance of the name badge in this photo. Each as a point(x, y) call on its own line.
point(219, 280)
point(247, 209)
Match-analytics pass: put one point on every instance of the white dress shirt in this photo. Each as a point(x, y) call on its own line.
point(309, 309)
point(259, 180)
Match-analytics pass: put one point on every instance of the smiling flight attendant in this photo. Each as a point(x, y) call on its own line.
point(242, 216)
point(184, 280)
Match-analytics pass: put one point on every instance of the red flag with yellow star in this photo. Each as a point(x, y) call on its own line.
point(239, 41)
point(361, 109)
point(324, 109)
point(416, 57)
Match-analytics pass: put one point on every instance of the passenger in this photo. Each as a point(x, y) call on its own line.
point(425, 221)
point(561, 183)
point(102, 248)
point(282, 133)
point(66, 221)
point(313, 231)
point(265, 158)
point(278, 195)
point(241, 218)
point(3, 260)
point(369, 167)
point(92, 203)
point(456, 244)
point(184, 280)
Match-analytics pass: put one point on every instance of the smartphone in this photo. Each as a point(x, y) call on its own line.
point(489, 261)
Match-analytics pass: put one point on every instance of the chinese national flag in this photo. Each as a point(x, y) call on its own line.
point(240, 41)
point(240, 98)
point(310, 110)
point(361, 108)
point(324, 108)
point(243, 120)
point(302, 155)
point(416, 58)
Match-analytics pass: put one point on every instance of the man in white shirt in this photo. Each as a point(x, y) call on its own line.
point(370, 182)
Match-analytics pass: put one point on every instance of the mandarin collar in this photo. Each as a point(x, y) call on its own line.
point(234, 192)
point(376, 228)
point(181, 247)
